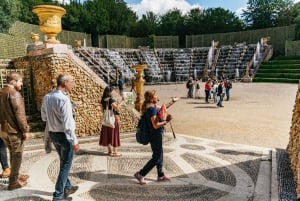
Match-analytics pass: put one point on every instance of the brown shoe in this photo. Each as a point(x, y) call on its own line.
point(16, 185)
point(23, 177)
point(6, 173)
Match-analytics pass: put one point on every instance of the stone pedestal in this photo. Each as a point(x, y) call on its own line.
point(48, 48)
point(139, 84)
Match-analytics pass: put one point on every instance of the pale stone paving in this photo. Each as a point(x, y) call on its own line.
point(199, 169)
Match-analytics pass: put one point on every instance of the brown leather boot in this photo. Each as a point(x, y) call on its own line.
point(16, 185)
point(6, 173)
point(23, 177)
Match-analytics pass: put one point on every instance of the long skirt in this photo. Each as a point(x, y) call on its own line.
point(110, 135)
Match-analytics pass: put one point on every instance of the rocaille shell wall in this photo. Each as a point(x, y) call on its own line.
point(86, 93)
point(294, 142)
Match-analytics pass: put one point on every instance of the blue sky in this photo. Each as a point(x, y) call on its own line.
point(162, 6)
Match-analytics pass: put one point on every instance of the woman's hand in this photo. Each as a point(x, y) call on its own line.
point(169, 118)
point(174, 99)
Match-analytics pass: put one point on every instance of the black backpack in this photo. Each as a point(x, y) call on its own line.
point(143, 131)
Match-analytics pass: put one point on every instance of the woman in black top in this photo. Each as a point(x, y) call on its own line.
point(110, 137)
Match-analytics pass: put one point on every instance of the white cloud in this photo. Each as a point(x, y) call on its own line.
point(239, 11)
point(160, 7)
point(64, 1)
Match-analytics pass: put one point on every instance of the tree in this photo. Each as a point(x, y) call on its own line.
point(267, 13)
point(194, 21)
point(73, 18)
point(212, 20)
point(218, 20)
point(107, 17)
point(9, 13)
point(172, 23)
point(26, 14)
point(145, 26)
point(296, 9)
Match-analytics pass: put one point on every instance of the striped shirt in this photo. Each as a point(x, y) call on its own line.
point(56, 110)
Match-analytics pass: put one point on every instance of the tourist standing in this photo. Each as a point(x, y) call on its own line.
point(220, 93)
point(207, 89)
point(14, 127)
point(215, 90)
point(228, 86)
point(157, 123)
point(121, 86)
point(197, 90)
point(190, 87)
point(110, 137)
point(56, 110)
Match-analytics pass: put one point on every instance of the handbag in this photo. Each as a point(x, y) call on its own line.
point(108, 117)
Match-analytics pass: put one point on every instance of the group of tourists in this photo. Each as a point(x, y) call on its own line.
point(213, 89)
point(57, 112)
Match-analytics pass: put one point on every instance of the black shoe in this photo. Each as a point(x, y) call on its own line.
point(70, 191)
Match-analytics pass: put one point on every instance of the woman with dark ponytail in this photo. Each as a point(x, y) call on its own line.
point(110, 137)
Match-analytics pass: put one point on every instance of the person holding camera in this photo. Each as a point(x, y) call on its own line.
point(157, 118)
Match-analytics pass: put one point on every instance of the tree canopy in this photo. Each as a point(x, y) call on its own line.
point(268, 13)
point(9, 13)
point(99, 17)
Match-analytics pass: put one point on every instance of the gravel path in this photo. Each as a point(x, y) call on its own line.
point(257, 114)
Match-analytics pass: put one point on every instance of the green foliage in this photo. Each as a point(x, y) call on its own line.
point(296, 9)
point(268, 13)
point(107, 17)
point(99, 17)
point(74, 17)
point(9, 13)
point(26, 14)
point(172, 23)
point(219, 20)
point(144, 27)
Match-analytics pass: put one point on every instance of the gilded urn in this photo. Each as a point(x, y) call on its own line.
point(50, 20)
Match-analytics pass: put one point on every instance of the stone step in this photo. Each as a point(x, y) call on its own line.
point(36, 142)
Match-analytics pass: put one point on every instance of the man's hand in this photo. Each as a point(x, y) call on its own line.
point(76, 147)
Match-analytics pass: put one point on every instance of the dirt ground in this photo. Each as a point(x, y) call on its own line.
point(257, 114)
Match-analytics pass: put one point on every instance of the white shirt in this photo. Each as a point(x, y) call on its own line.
point(57, 111)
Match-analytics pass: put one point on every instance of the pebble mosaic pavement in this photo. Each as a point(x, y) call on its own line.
point(199, 169)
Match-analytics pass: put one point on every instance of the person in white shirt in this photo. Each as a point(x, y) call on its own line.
point(56, 110)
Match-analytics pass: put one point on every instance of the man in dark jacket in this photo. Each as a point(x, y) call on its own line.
point(13, 126)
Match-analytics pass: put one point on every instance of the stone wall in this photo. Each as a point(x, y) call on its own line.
point(47, 61)
point(294, 142)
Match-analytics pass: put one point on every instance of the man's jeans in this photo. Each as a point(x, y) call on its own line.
point(227, 90)
point(3, 155)
point(15, 146)
point(65, 151)
point(220, 100)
